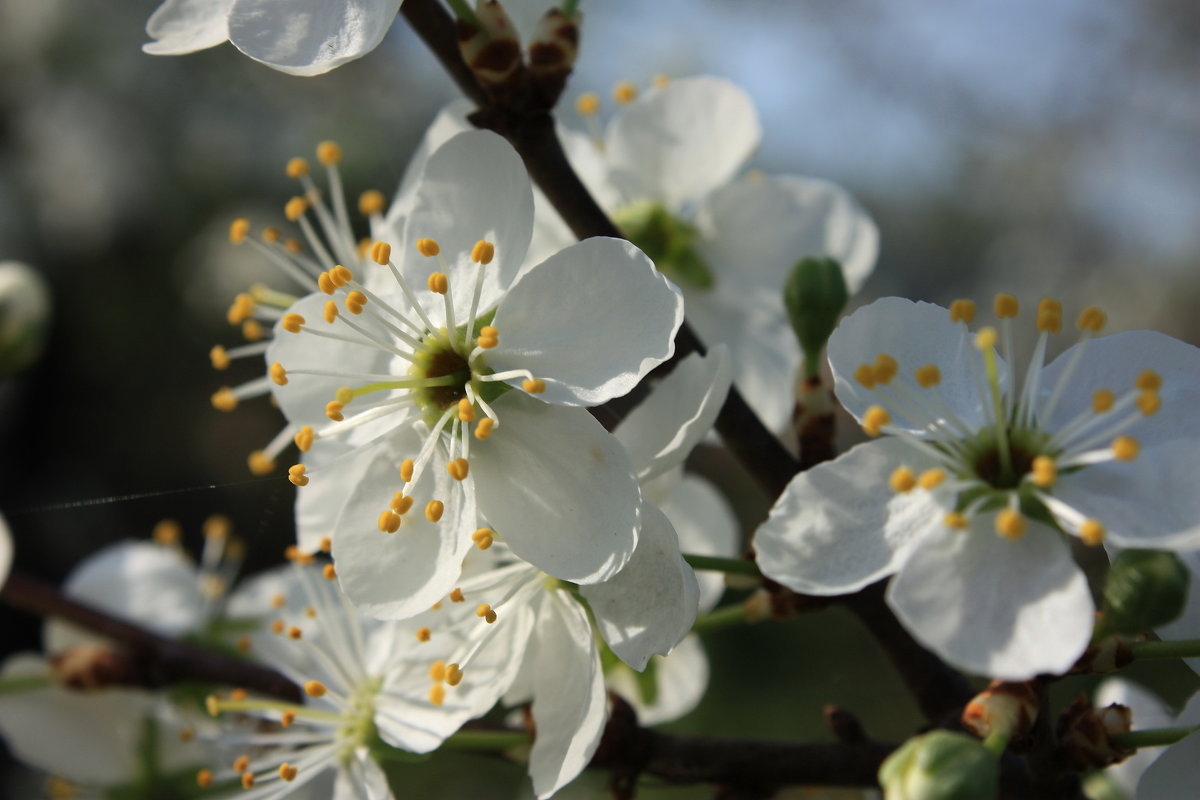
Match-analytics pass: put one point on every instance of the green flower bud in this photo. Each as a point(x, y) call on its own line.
point(815, 296)
point(1145, 589)
point(24, 316)
point(940, 765)
point(668, 241)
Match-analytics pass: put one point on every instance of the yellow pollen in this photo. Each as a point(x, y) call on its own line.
point(436, 606)
point(489, 330)
point(247, 780)
point(187, 734)
point(466, 411)
point(241, 763)
point(212, 705)
point(304, 438)
point(483, 252)
point(292, 322)
point(217, 527)
point(931, 478)
point(292, 246)
point(219, 357)
point(424, 634)
point(438, 283)
point(487, 342)
point(243, 644)
point(1148, 381)
point(204, 778)
point(295, 208)
point(310, 612)
point(437, 671)
point(278, 601)
point(371, 202)
point(238, 695)
point(962, 311)
point(434, 510)
point(928, 375)
point(271, 235)
point(865, 374)
point(239, 229)
point(278, 374)
point(1044, 471)
point(389, 521)
point(287, 718)
point(956, 520)
point(1125, 448)
point(985, 339)
point(1091, 319)
point(1049, 322)
point(484, 428)
point(252, 331)
point(458, 469)
point(260, 463)
point(406, 470)
point(454, 675)
point(1149, 402)
point(483, 538)
point(902, 480)
point(296, 475)
point(328, 153)
point(456, 596)
point(333, 410)
point(874, 419)
point(341, 275)
point(588, 104)
point(885, 368)
point(329, 573)
point(533, 385)
point(660, 81)
point(428, 247)
point(1010, 524)
point(314, 689)
point(485, 612)
point(1092, 532)
point(624, 93)
point(1048, 305)
point(437, 694)
point(278, 627)
point(224, 399)
point(344, 395)
point(326, 284)
point(287, 772)
point(1006, 306)
point(355, 302)
point(400, 503)
point(325, 545)
point(381, 253)
point(1102, 400)
point(167, 533)
point(240, 310)
point(295, 633)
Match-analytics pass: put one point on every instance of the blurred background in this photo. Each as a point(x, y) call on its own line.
point(1031, 147)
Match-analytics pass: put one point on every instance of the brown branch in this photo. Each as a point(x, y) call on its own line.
point(151, 660)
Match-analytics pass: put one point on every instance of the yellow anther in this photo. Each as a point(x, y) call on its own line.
point(962, 311)
point(240, 310)
point(1048, 305)
point(293, 246)
point(485, 612)
point(219, 357)
point(238, 695)
point(928, 375)
point(1044, 472)
point(212, 705)
point(310, 612)
point(406, 470)
point(490, 330)
point(218, 527)
point(333, 410)
point(304, 438)
point(874, 419)
point(985, 339)
point(296, 475)
point(533, 385)
point(328, 572)
point(1102, 400)
point(325, 545)
point(885, 368)
point(295, 208)
point(247, 780)
point(371, 202)
point(239, 229)
point(243, 644)
point(624, 93)
point(458, 469)
point(483, 252)
point(389, 521)
point(271, 235)
point(931, 478)
point(341, 275)
point(1148, 381)
point(287, 772)
point(865, 375)
point(466, 411)
point(1049, 322)
point(325, 283)
point(1092, 532)
point(381, 252)
point(660, 81)
point(484, 428)
point(588, 104)
point(287, 718)
point(278, 627)
point(167, 533)
point(1149, 402)
point(295, 633)
point(278, 601)
point(355, 302)
point(328, 153)
point(314, 689)
point(483, 538)
point(1010, 524)
point(241, 763)
point(278, 374)
point(903, 479)
point(434, 510)
point(437, 694)
point(428, 247)
point(292, 322)
point(1125, 448)
point(438, 283)
point(424, 634)
point(363, 248)
point(487, 342)
point(956, 520)
point(454, 675)
point(437, 671)
point(1091, 319)
point(297, 167)
point(401, 503)
point(252, 330)
point(224, 399)
point(260, 463)
point(204, 778)
point(1006, 306)
point(436, 606)
point(456, 596)
point(344, 395)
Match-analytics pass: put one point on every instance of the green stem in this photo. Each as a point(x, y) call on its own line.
point(568, 8)
point(997, 742)
point(463, 11)
point(1154, 737)
point(1189, 648)
point(736, 566)
point(725, 617)
point(486, 740)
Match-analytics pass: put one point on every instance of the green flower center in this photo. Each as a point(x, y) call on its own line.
point(668, 241)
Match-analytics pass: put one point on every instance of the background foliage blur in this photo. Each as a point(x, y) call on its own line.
point(1038, 148)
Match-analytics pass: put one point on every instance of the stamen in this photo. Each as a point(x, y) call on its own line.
point(296, 475)
point(483, 429)
point(1044, 472)
point(931, 478)
point(874, 419)
point(219, 357)
point(424, 634)
point(292, 323)
point(295, 208)
point(865, 375)
point(1092, 320)
point(902, 480)
point(928, 375)
point(483, 538)
point(956, 520)
point(381, 253)
point(297, 168)
point(315, 689)
point(389, 521)
point(985, 341)
point(239, 229)
point(962, 311)
point(885, 369)
point(287, 772)
point(434, 510)
point(428, 247)
point(329, 153)
point(1125, 448)
point(483, 252)
point(304, 438)
point(224, 399)
point(624, 93)
point(1006, 306)
point(325, 545)
point(485, 612)
point(1149, 402)
point(401, 503)
point(278, 374)
point(204, 778)
point(241, 763)
point(587, 104)
point(1149, 381)
point(371, 202)
point(458, 469)
point(438, 282)
point(248, 780)
point(456, 596)
point(454, 675)
point(437, 694)
point(1092, 532)
point(328, 572)
point(1102, 400)
point(466, 410)
point(1010, 524)
point(260, 463)
point(533, 385)
point(406, 470)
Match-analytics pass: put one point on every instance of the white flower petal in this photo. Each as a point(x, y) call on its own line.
point(1187, 626)
point(995, 607)
point(1148, 502)
point(706, 526)
point(361, 778)
point(320, 502)
point(569, 702)
point(309, 37)
point(450, 121)
point(676, 145)
point(1174, 774)
point(6, 550)
point(591, 321)
point(680, 681)
point(185, 26)
point(1148, 712)
point(558, 489)
point(915, 334)
point(838, 526)
point(650, 605)
point(663, 429)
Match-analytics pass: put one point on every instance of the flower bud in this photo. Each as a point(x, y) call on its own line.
point(24, 316)
point(552, 53)
point(815, 295)
point(668, 241)
point(490, 48)
point(940, 765)
point(1145, 589)
point(1008, 709)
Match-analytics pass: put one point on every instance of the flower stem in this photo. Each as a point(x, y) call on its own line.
point(568, 8)
point(463, 12)
point(1153, 737)
point(736, 566)
point(725, 617)
point(1188, 648)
